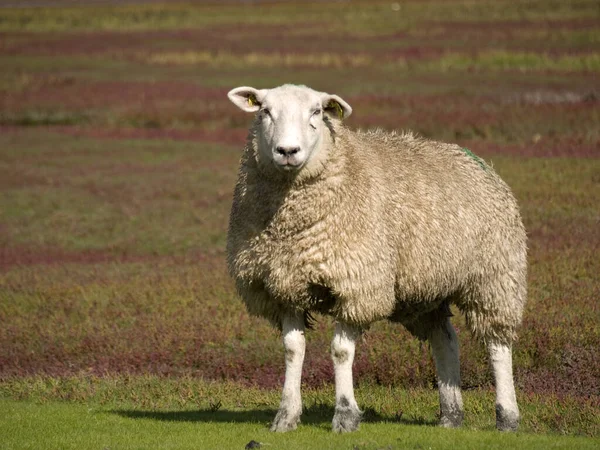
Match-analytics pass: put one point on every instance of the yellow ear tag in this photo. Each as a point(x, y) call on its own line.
point(337, 107)
point(252, 100)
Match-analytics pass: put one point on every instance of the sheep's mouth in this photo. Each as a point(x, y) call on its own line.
point(289, 166)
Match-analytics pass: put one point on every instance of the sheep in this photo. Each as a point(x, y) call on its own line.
point(364, 226)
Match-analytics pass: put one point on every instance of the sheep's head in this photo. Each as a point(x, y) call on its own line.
point(291, 123)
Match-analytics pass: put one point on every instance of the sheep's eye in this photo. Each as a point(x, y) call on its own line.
point(316, 112)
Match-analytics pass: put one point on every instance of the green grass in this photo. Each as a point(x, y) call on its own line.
point(361, 16)
point(491, 60)
point(144, 412)
point(521, 61)
point(67, 190)
point(70, 426)
point(43, 118)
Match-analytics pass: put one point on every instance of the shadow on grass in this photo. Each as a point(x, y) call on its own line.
point(315, 415)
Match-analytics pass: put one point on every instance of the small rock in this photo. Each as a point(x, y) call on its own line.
point(252, 444)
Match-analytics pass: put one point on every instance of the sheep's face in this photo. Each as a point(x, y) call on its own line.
point(291, 123)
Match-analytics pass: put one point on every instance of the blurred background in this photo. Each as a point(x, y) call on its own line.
point(119, 152)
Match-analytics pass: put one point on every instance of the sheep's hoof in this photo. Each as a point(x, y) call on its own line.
point(285, 421)
point(452, 419)
point(346, 419)
point(506, 420)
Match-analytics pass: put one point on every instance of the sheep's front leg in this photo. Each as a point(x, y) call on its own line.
point(507, 411)
point(444, 346)
point(290, 408)
point(347, 415)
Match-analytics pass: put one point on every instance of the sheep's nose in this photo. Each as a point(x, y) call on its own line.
point(287, 151)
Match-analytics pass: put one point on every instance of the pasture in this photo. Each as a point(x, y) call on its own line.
point(120, 327)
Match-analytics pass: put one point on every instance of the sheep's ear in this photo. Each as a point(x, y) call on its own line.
point(247, 98)
point(336, 107)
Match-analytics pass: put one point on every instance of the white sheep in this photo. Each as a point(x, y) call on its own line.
point(365, 226)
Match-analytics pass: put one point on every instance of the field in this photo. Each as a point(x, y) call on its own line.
point(118, 156)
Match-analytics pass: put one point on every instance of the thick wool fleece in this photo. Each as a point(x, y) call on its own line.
point(390, 226)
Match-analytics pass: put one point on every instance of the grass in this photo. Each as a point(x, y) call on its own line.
point(66, 426)
point(183, 412)
point(118, 156)
point(504, 60)
point(496, 60)
point(258, 59)
point(43, 118)
point(361, 16)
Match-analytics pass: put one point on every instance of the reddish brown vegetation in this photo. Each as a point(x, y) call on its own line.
point(72, 93)
point(12, 257)
point(496, 26)
point(230, 137)
point(545, 147)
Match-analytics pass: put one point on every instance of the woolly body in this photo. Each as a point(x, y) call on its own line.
point(392, 227)
point(369, 226)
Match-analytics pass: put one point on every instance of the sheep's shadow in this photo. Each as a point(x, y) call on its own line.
point(317, 415)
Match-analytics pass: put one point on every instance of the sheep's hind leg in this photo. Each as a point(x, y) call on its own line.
point(347, 415)
point(507, 411)
point(444, 346)
point(290, 408)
